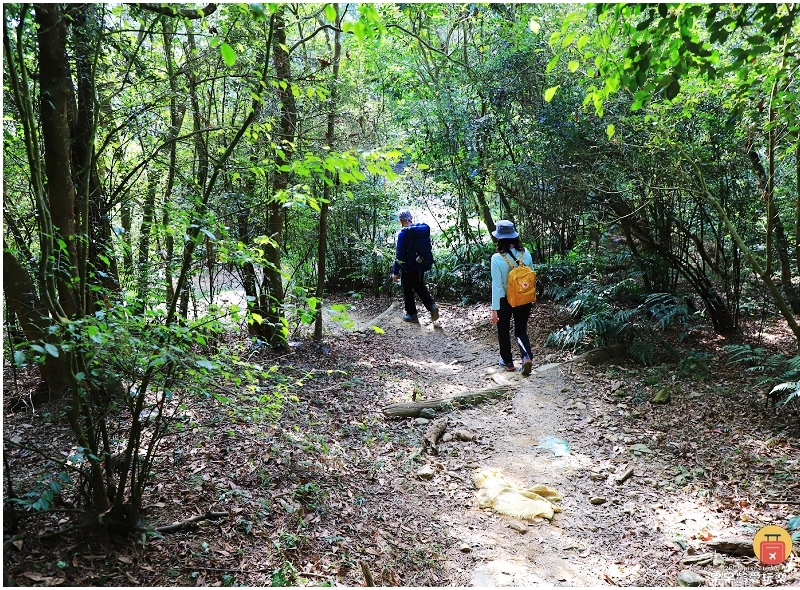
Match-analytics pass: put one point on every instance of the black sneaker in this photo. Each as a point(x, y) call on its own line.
point(407, 317)
point(434, 313)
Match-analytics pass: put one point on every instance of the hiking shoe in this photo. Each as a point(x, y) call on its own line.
point(527, 366)
point(434, 312)
point(509, 366)
point(407, 317)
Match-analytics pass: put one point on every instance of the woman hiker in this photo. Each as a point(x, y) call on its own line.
point(509, 250)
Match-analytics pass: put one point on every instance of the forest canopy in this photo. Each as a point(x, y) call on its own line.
point(175, 173)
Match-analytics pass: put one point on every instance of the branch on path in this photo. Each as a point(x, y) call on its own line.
point(177, 526)
point(364, 326)
point(412, 409)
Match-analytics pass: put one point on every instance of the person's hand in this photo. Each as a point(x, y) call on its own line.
point(495, 319)
point(394, 278)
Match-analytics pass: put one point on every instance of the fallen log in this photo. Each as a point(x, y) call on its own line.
point(412, 409)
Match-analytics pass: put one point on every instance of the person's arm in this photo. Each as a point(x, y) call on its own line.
point(498, 284)
point(399, 259)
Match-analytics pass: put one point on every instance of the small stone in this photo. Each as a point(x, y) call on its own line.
point(466, 548)
point(597, 500)
point(580, 406)
point(718, 561)
point(689, 578)
point(662, 397)
point(472, 465)
point(421, 421)
point(464, 435)
point(426, 472)
point(518, 526)
point(447, 437)
point(428, 413)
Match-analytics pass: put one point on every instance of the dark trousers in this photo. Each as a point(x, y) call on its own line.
point(520, 315)
point(414, 282)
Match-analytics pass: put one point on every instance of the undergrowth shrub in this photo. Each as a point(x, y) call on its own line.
point(462, 273)
point(776, 370)
point(601, 312)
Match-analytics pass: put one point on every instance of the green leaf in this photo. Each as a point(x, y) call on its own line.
point(610, 131)
point(550, 93)
point(51, 350)
point(205, 364)
point(228, 54)
point(377, 330)
point(19, 358)
point(673, 89)
point(257, 318)
point(534, 26)
point(573, 66)
point(552, 63)
point(330, 13)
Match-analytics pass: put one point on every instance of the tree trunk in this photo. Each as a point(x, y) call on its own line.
point(775, 226)
point(176, 114)
point(57, 106)
point(21, 298)
point(143, 270)
point(322, 250)
point(273, 329)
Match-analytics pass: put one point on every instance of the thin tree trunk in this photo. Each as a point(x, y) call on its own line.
point(272, 284)
point(176, 114)
point(143, 259)
point(322, 250)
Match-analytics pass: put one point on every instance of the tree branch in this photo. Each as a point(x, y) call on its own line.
point(173, 10)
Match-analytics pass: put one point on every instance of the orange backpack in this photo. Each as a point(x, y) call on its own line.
point(521, 283)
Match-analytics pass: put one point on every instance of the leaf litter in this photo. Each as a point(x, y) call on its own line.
point(332, 485)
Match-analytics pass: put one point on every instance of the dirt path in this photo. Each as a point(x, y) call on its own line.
point(487, 552)
point(610, 532)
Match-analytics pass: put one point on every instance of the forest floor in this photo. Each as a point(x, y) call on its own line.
point(335, 492)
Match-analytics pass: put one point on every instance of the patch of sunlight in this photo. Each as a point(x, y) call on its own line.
point(688, 519)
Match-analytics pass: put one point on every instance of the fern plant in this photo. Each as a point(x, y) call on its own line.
point(777, 370)
point(599, 323)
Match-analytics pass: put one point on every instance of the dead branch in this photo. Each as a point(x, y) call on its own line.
point(364, 326)
point(412, 409)
point(367, 575)
point(177, 526)
point(433, 433)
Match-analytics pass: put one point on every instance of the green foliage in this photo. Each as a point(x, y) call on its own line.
point(462, 273)
point(40, 497)
point(780, 372)
point(598, 318)
point(695, 366)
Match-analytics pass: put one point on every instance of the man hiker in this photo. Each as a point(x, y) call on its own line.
point(413, 258)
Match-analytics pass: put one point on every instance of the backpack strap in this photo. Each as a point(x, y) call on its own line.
point(518, 262)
